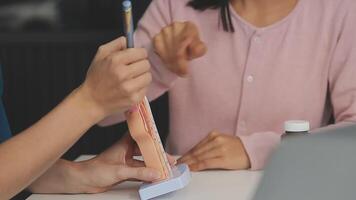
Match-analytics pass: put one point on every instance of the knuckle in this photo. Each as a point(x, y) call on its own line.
point(114, 60)
point(218, 139)
point(125, 88)
point(166, 30)
point(213, 134)
point(120, 75)
point(101, 49)
point(147, 64)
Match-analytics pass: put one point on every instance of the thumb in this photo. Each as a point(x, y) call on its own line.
point(182, 57)
point(139, 173)
point(190, 49)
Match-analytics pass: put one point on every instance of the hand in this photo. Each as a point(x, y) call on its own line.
point(99, 174)
point(117, 78)
point(217, 151)
point(177, 44)
point(114, 166)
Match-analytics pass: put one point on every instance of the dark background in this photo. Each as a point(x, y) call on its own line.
point(45, 53)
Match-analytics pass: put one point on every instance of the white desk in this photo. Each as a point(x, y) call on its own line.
point(238, 185)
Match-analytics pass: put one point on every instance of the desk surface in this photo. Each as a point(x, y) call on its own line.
point(204, 185)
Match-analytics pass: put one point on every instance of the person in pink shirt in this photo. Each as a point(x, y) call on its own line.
point(236, 70)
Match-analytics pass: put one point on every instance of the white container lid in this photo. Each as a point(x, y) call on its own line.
point(296, 126)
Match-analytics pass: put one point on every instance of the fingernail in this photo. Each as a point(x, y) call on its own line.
point(134, 109)
point(155, 175)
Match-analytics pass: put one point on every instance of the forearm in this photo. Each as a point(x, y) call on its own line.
point(28, 155)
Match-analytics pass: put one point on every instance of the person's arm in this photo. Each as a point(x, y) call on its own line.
point(113, 166)
point(342, 88)
point(233, 151)
point(27, 155)
point(116, 80)
point(154, 30)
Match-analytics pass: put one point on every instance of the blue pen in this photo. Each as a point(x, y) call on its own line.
point(128, 22)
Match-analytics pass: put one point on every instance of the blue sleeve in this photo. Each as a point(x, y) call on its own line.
point(4, 125)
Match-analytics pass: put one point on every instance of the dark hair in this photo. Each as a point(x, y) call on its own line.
point(223, 5)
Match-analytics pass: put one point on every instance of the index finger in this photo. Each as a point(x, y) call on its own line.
point(202, 143)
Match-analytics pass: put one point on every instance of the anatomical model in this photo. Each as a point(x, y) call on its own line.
point(144, 131)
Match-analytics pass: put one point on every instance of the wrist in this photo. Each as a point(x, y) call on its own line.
point(244, 157)
point(82, 178)
point(82, 97)
point(71, 178)
point(76, 177)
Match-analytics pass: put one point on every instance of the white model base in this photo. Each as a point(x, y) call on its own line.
point(181, 178)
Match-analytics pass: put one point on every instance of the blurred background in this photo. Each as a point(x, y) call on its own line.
point(46, 47)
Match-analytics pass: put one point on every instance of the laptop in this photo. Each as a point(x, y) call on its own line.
point(318, 166)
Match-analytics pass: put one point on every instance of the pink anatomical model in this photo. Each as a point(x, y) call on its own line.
point(144, 131)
